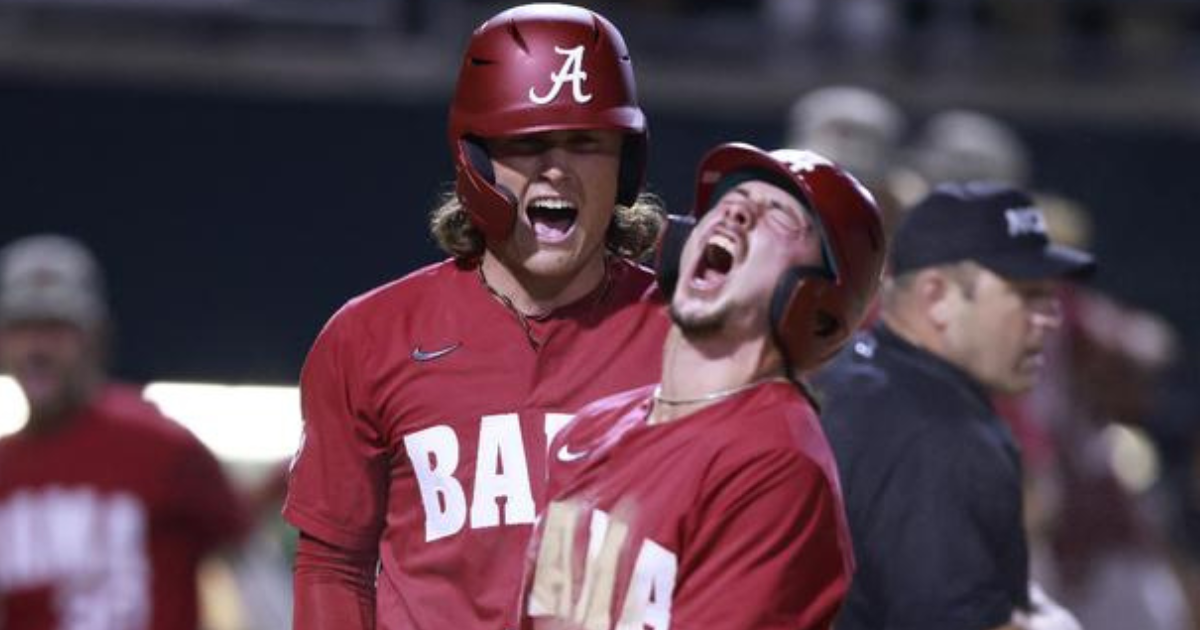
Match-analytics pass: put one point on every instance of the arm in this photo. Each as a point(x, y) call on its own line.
point(337, 490)
point(334, 587)
point(215, 510)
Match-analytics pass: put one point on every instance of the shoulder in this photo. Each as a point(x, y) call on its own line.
point(435, 281)
point(124, 409)
point(603, 421)
point(634, 282)
point(869, 383)
point(363, 319)
point(776, 431)
point(859, 369)
point(593, 432)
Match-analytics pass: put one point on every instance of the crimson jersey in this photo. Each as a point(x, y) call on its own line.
point(428, 407)
point(103, 521)
point(730, 518)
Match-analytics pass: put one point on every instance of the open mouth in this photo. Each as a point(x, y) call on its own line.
point(1034, 358)
point(716, 260)
point(552, 219)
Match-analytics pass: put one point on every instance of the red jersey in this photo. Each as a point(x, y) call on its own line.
point(730, 518)
point(103, 521)
point(427, 410)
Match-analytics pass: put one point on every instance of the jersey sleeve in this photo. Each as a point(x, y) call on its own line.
point(932, 564)
point(337, 487)
point(769, 551)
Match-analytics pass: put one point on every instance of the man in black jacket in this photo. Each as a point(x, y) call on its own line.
point(931, 475)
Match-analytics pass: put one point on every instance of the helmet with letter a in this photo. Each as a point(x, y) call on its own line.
point(538, 68)
point(813, 310)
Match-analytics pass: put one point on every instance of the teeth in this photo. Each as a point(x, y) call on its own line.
point(552, 204)
point(720, 240)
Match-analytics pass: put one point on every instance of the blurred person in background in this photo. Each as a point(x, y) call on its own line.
point(429, 402)
point(963, 145)
point(862, 131)
point(859, 129)
point(1100, 518)
point(932, 475)
point(1091, 544)
point(711, 500)
point(107, 508)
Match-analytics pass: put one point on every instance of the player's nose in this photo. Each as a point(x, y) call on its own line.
point(740, 212)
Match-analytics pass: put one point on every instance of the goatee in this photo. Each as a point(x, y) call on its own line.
point(698, 326)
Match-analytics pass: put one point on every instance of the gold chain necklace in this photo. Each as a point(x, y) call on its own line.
point(711, 396)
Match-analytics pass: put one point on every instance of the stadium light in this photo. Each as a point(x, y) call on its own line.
point(239, 423)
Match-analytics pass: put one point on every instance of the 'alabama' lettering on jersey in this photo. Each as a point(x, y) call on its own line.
point(103, 521)
point(730, 518)
point(428, 410)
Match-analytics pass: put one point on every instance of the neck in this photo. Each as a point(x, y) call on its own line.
point(913, 331)
point(52, 415)
point(532, 294)
point(700, 373)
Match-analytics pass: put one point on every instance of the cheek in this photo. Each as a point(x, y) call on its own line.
point(1012, 321)
point(510, 174)
point(1004, 334)
point(689, 254)
point(972, 330)
point(599, 173)
point(767, 262)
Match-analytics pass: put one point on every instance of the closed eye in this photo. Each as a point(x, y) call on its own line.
point(786, 219)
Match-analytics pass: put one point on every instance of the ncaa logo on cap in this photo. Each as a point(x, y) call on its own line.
point(571, 72)
point(1022, 221)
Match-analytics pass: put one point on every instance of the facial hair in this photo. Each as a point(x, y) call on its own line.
point(699, 326)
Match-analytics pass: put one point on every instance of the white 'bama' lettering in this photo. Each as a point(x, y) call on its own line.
point(89, 546)
point(502, 492)
point(651, 587)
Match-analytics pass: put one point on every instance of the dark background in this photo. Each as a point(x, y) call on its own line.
point(233, 222)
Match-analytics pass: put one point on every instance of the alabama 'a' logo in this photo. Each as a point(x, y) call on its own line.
point(571, 72)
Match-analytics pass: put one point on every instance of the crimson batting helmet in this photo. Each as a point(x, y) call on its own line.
point(538, 68)
point(814, 310)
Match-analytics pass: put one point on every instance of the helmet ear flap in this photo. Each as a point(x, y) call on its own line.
point(492, 207)
point(670, 250)
point(477, 157)
point(798, 324)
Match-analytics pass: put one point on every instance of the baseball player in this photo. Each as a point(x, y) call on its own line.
point(429, 402)
point(711, 500)
point(106, 507)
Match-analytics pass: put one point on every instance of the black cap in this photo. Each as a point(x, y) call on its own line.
point(992, 224)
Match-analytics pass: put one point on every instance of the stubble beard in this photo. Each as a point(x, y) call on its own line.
point(704, 325)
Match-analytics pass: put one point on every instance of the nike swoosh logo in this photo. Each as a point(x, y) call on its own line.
point(566, 455)
point(420, 355)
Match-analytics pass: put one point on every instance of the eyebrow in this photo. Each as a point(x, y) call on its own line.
point(772, 202)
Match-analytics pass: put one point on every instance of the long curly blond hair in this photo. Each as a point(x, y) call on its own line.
point(632, 233)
